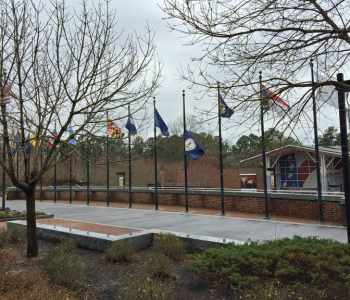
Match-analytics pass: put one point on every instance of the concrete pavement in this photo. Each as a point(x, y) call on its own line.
point(216, 226)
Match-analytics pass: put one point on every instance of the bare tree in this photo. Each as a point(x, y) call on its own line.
point(279, 37)
point(192, 124)
point(63, 68)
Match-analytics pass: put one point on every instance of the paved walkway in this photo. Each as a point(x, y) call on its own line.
point(217, 226)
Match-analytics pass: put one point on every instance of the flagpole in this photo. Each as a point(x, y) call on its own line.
point(107, 166)
point(317, 152)
point(221, 164)
point(184, 148)
point(55, 180)
point(3, 204)
point(87, 172)
point(41, 165)
point(70, 180)
point(129, 161)
point(263, 150)
point(344, 150)
point(3, 170)
point(155, 156)
point(17, 162)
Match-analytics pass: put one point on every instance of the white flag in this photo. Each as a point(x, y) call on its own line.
point(328, 94)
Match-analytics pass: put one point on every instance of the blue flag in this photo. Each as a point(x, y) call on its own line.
point(15, 144)
point(130, 126)
point(192, 148)
point(159, 122)
point(27, 147)
point(72, 140)
point(225, 111)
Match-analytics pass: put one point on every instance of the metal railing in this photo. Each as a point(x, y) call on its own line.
point(292, 194)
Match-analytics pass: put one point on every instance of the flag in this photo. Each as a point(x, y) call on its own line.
point(17, 139)
point(225, 111)
point(34, 141)
point(71, 139)
point(192, 148)
point(328, 94)
point(27, 147)
point(52, 139)
point(159, 122)
point(130, 126)
point(113, 130)
point(6, 93)
point(13, 145)
point(273, 100)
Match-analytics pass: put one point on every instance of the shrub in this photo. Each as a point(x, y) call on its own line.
point(147, 288)
point(64, 267)
point(159, 266)
point(120, 251)
point(10, 236)
point(169, 245)
point(290, 261)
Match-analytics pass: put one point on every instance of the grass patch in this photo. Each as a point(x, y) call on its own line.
point(30, 286)
point(5, 214)
point(64, 267)
point(120, 251)
point(147, 288)
point(169, 245)
point(289, 262)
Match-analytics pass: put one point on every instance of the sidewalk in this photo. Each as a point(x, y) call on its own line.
point(193, 210)
point(235, 227)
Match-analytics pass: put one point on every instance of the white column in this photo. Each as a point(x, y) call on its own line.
point(323, 169)
point(268, 173)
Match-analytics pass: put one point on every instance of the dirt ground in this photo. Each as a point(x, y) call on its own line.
point(3, 226)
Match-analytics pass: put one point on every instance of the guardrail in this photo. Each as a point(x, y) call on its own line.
point(283, 194)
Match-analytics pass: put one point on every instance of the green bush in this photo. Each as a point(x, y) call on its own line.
point(64, 267)
point(159, 266)
point(289, 261)
point(120, 251)
point(169, 245)
point(147, 288)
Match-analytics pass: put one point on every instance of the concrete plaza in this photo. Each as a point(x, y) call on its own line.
point(241, 229)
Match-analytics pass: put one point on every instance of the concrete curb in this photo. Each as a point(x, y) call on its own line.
point(140, 240)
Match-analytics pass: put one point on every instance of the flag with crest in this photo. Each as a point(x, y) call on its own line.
point(113, 130)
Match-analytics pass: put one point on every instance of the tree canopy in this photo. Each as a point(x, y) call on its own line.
point(240, 38)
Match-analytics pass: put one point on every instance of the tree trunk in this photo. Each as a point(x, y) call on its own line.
point(32, 243)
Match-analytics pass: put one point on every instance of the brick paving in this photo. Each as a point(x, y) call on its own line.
point(90, 227)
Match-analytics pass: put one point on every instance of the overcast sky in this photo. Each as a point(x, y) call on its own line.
point(174, 53)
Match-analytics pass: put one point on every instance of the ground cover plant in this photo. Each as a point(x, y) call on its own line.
point(279, 267)
point(120, 251)
point(295, 268)
point(7, 213)
point(63, 266)
point(169, 245)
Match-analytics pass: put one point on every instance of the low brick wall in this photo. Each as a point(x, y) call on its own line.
point(292, 207)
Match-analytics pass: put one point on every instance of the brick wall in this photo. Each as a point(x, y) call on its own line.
point(334, 211)
point(201, 173)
